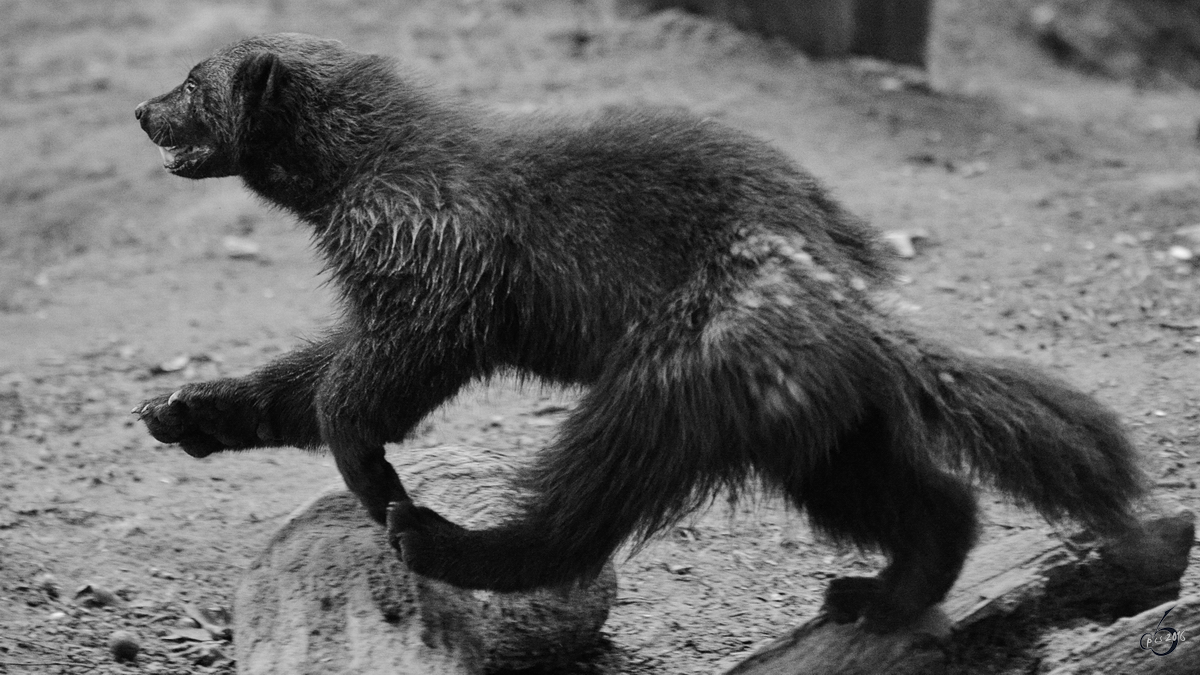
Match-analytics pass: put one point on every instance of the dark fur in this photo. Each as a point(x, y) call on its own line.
point(711, 296)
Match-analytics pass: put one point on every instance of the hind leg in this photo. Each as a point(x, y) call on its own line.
point(926, 555)
point(921, 517)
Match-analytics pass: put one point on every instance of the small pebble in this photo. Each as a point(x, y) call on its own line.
point(240, 248)
point(901, 242)
point(48, 584)
point(1125, 239)
point(123, 645)
point(170, 366)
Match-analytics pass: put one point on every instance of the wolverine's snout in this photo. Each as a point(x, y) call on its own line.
point(187, 145)
point(142, 114)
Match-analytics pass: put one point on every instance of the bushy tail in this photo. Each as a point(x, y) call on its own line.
point(1034, 437)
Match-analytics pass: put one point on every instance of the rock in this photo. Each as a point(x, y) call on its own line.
point(171, 365)
point(48, 585)
point(241, 248)
point(329, 595)
point(92, 595)
point(904, 242)
point(1182, 253)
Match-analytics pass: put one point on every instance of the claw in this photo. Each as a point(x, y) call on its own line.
point(174, 397)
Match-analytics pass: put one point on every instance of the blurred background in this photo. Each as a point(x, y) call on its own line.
point(78, 178)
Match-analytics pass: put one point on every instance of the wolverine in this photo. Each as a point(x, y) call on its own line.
point(716, 305)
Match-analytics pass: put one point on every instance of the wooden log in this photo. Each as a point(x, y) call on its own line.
point(821, 646)
point(1139, 644)
point(1016, 591)
point(328, 594)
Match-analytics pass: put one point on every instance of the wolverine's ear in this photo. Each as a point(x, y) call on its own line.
point(260, 79)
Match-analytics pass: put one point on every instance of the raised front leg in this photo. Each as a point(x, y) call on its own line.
point(270, 407)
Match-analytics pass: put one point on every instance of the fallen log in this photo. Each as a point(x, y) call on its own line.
point(329, 596)
point(1159, 641)
point(1020, 599)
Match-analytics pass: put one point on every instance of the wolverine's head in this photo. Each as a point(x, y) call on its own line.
point(238, 102)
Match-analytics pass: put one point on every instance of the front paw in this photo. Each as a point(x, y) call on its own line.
point(202, 418)
point(420, 536)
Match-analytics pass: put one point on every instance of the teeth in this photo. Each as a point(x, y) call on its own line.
point(168, 155)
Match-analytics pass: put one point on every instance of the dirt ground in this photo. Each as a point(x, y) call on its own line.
point(1049, 204)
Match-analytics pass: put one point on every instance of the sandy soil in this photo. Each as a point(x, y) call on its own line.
point(1050, 203)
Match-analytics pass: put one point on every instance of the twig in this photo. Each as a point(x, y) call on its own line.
point(29, 546)
point(88, 667)
point(27, 641)
point(216, 631)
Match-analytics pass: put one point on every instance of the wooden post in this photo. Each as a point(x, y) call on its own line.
point(892, 30)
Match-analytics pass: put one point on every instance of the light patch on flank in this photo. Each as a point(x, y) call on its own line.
point(749, 298)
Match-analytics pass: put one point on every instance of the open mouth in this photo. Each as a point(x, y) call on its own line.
point(176, 157)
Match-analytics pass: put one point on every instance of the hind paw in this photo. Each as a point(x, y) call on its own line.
point(848, 598)
point(419, 535)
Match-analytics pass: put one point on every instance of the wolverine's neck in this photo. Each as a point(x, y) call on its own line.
point(384, 179)
point(368, 126)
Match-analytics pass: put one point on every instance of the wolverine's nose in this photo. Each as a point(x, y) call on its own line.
point(140, 110)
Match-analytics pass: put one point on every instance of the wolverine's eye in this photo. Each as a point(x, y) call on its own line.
point(189, 86)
